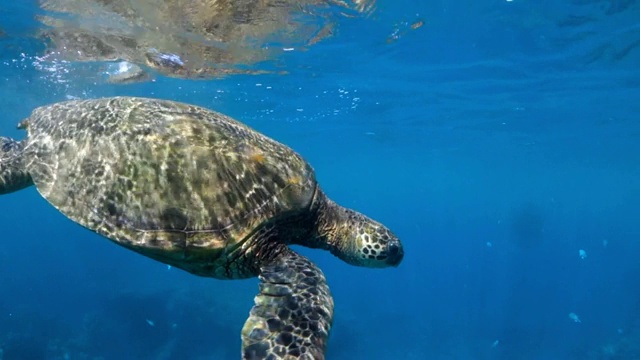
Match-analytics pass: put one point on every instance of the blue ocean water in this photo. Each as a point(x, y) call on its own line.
point(500, 140)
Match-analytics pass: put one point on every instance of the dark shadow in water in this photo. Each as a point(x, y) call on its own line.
point(527, 226)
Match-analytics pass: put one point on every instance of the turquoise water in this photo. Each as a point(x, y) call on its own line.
point(498, 140)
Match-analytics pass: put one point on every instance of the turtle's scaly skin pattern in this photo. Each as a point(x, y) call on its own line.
point(292, 314)
point(175, 182)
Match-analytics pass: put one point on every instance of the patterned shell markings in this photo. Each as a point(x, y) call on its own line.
point(175, 182)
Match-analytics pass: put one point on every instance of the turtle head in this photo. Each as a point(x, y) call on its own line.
point(356, 238)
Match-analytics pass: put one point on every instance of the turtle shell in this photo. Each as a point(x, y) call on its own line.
point(176, 182)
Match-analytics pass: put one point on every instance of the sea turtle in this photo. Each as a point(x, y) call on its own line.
point(202, 192)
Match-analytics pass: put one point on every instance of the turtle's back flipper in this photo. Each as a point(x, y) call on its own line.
point(293, 312)
point(13, 175)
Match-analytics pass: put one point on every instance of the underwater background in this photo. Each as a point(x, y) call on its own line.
point(500, 140)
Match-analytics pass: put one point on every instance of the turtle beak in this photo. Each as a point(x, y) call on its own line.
point(395, 253)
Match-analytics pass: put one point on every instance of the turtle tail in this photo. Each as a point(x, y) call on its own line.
point(13, 175)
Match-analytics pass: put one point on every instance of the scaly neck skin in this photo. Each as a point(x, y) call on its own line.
point(328, 217)
point(13, 176)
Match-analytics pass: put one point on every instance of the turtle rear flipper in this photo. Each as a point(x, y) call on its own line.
point(13, 175)
point(292, 314)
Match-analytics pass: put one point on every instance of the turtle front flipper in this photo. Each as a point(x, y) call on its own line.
point(292, 314)
point(13, 175)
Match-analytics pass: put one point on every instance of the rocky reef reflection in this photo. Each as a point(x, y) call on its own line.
point(187, 38)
